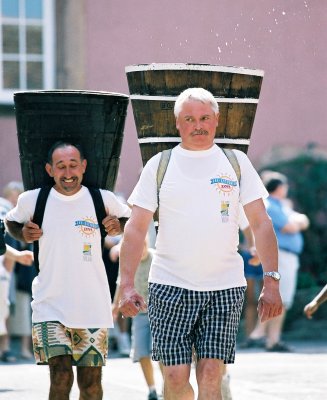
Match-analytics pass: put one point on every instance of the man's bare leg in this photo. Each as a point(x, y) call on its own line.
point(177, 382)
point(209, 372)
point(61, 377)
point(89, 383)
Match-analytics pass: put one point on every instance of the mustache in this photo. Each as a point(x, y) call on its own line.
point(199, 132)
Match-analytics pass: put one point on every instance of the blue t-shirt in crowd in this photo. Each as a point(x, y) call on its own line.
point(279, 214)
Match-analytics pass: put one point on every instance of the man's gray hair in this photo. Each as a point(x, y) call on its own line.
point(198, 94)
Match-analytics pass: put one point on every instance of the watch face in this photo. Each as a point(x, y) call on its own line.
point(275, 275)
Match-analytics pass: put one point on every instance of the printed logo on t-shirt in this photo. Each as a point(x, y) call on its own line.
point(87, 226)
point(224, 183)
point(87, 252)
point(224, 208)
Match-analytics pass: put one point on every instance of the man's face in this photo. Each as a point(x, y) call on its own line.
point(67, 170)
point(197, 125)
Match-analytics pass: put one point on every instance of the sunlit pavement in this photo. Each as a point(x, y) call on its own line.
point(256, 375)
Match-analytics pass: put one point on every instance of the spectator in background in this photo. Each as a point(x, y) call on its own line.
point(9, 200)
point(288, 225)
point(20, 320)
point(253, 275)
point(7, 262)
point(119, 335)
point(141, 334)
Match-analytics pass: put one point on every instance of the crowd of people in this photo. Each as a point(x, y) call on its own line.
point(179, 303)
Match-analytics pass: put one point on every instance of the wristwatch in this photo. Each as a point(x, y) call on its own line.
point(273, 274)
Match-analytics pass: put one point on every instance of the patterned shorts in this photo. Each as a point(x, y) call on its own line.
point(183, 319)
point(88, 347)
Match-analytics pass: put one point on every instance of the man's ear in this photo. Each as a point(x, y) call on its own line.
point(48, 168)
point(177, 124)
point(84, 164)
point(217, 116)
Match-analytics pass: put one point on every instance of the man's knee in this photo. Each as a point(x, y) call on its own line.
point(177, 376)
point(61, 374)
point(89, 382)
point(210, 371)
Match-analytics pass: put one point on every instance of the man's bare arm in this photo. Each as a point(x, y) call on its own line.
point(270, 303)
point(314, 304)
point(24, 257)
point(28, 232)
point(15, 229)
point(130, 255)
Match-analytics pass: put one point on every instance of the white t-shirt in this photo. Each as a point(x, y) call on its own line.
point(197, 242)
point(72, 285)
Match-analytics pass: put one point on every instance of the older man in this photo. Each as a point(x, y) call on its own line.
point(196, 280)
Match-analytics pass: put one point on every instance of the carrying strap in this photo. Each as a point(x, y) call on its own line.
point(38, 219)
point(161, 171)
point(234, 162)
point(39, 214)
point(100, 211)
point(163, 165)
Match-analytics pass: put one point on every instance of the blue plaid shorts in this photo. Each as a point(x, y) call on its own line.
point(182, 319)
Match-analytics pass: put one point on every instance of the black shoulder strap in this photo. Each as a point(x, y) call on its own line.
point(100, 211)
point(38, 219)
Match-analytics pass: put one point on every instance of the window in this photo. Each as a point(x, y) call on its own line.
point(27, 46)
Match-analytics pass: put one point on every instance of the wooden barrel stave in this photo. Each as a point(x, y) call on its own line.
point(154, 88)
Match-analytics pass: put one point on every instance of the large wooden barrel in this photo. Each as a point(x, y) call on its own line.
point(154, 88)
point(95, 120)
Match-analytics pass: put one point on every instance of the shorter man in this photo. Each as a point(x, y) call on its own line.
point(71, 299)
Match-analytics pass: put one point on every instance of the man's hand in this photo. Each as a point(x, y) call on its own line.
point(31, 232)
point(310, 309)
point(112, 225)
point(270, 303)
point(131, 302)
point(25, 257)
